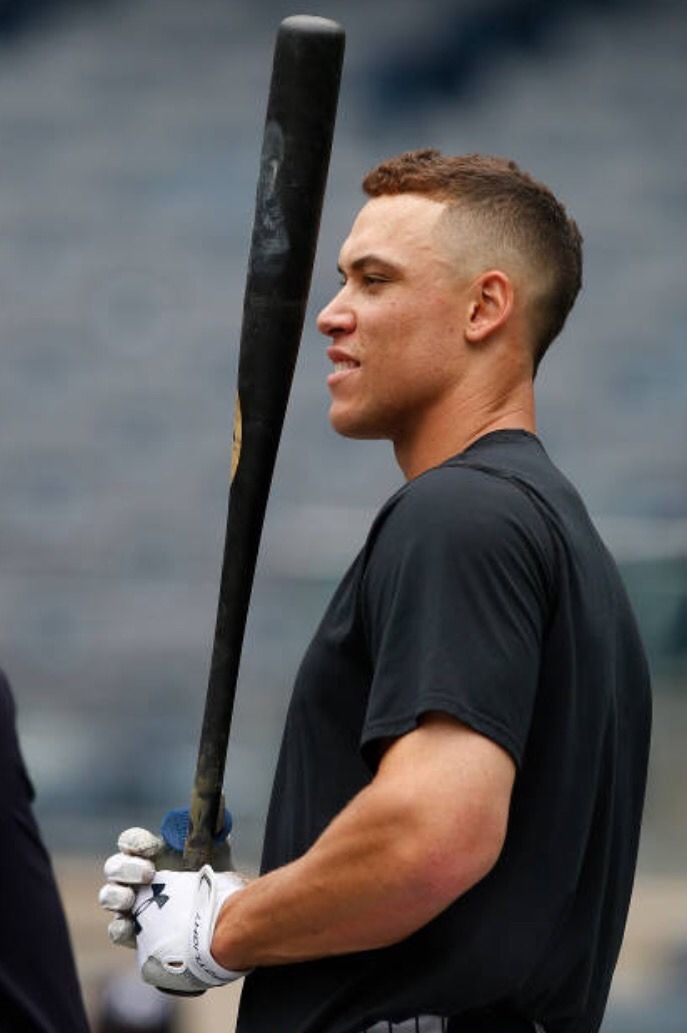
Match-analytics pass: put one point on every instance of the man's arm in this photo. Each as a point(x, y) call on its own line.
point(429, 826)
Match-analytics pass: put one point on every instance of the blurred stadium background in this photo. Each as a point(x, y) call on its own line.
point(129, 136)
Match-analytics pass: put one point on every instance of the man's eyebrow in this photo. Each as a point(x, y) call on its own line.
point(371, 259)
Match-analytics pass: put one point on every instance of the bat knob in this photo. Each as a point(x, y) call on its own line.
point(174, 828)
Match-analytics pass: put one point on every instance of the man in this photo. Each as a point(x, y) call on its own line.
point(453, 830)
point(39, 991)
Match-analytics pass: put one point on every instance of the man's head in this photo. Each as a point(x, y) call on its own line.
point(453, 286)
point(497, 216)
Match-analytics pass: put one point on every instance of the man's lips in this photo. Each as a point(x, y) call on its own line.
point(344, 365)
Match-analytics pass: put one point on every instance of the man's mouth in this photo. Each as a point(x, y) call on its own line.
point(343, 368)
point(344, 365)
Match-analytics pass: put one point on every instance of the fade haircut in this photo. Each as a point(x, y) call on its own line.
point(513, 211)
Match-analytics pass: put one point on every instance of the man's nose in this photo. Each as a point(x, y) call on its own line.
point(336, 318)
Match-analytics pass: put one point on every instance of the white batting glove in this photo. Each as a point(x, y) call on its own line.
point(168, 916)
point(175, 920)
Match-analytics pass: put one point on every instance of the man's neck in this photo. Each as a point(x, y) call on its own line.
point(448, 432)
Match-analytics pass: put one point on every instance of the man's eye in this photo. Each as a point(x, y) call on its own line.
point(366, 279)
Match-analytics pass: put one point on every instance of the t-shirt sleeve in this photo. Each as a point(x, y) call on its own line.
point(454, 600)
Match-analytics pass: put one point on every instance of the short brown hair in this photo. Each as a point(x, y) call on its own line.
point(521, 211)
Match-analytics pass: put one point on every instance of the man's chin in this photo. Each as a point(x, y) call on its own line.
point(349, 427)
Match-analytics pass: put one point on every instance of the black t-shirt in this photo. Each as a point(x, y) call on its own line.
point(484, 592)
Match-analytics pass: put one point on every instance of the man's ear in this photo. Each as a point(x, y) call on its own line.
point(490, 303)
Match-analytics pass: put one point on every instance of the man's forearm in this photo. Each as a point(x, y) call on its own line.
point(428, 827)
point(357, 888)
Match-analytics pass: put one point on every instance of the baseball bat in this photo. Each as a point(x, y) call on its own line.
point(296, 147)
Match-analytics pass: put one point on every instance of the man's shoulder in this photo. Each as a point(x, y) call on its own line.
point(461, 505)
point(461, 491)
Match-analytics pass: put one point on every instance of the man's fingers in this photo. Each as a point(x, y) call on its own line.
point(121, 932)
point(131, 868)
point(137, 871)
point(116, 898)
point(140, 842)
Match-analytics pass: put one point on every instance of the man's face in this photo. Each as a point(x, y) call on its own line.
point(396, 324)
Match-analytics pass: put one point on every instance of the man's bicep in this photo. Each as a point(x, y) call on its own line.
point(457, 786)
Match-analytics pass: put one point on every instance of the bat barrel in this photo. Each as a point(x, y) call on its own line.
point(296, 147)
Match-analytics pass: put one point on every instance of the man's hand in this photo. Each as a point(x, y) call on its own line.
point(169, 916)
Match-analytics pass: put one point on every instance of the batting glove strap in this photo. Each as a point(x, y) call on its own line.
point(210, 897)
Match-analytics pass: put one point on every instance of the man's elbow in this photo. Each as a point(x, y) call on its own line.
point(449, 862)
point(431, 872)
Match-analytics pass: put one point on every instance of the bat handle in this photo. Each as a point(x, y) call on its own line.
point(205, 814)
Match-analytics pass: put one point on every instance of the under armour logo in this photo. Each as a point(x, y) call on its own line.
point(158, 898)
